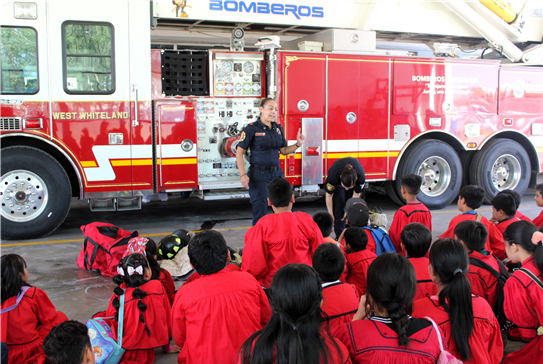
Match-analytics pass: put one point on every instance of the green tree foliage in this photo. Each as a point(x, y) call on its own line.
point(19, 60)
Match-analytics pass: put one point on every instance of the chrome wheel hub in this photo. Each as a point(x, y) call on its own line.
point(436, 176)
point(506, 172)
point(23, 195)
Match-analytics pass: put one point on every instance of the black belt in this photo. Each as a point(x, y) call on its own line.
point(264, 168)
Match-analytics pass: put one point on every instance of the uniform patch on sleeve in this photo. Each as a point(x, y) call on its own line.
point(330, 187)
point(242, 136)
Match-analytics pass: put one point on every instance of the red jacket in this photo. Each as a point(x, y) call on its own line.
point(25, 327)
point(215, 314)
point(334, 356)
point(483, 283)
point(357, 269)
point(138, 344)
point(521, 216)
point(277, 240)
point(485, 342)
point(412, 212)
point(340, 303)
point(230, 266)
point(424, 282)
point(167, 282)
point(494, 243)
point(374, 341)
point(523, 305)
point(538, 221)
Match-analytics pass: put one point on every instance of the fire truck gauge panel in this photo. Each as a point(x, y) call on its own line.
point(219, 131)
point(237, 77)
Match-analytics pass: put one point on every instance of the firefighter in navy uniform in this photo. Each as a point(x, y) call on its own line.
point(265, 139)
point(346, 179)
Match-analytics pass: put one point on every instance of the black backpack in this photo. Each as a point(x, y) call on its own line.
point(502, 277)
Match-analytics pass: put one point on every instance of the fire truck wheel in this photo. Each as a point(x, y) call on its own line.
point(392, 191)
point(440, 168)
point(35, 193)
point(501, 165)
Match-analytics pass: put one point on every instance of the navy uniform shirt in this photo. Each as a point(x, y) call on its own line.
point(264, 143)
point(335, 170)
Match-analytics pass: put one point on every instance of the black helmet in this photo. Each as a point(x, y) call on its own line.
point(172, 244)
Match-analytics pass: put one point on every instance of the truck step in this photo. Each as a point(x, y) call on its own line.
point(225, 195)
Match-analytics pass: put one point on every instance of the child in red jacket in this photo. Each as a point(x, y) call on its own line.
point(203, 310)
point(27, 313)
point(517, 197)
point(339, 300)
point(538, 221)
point(470, 198)
point(416, 240)
point(146, 310)
point(358, 257)
point(413, 211)
point(484, 284)
point(281, 238)
point(504, 209)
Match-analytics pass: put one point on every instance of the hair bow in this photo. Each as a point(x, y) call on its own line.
point(136, 245)
point(120, 270)
point(537, 237)
point(137, 270)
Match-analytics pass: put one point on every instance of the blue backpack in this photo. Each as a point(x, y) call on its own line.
point(106, 349)
point(383, 243)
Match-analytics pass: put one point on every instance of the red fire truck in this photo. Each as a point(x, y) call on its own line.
point(88, 110)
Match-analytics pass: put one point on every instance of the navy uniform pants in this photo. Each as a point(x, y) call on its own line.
point(258, 183)
point(339, 200)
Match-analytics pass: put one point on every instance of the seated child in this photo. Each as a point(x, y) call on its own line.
point(470, 198)
point(358, 256)
point(473, 235)
point(69, 343)
point(146, 309)
point(325, 222)
point(504, 209)
point(281, 238)
point(215, 314)
point(230, 265)
point(471, 329)
point(518, 199)
point(382, 330)
point(538, 221)
point(416, 240)
point(523, 302)
point(357, 215)
point(413, 211)
point(27, 313)
point(339, 300)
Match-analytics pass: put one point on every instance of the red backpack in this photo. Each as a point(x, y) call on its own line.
point(103, 247)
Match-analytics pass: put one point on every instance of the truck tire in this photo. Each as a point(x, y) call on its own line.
point(501, 164)
point(393, 193)
point(440, 168)
point(35, 193)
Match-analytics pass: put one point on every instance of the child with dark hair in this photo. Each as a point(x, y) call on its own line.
point(293, 334)
point(357, 214)
point(471, 198)
point(69, 343)
point(230, 265)
point(204, 309)
point(471, 330)
point(158, 273)
point(281, 238)
point(504, 209)
point(339, 300)
point(484, 284)
point(523, 294)
point(416, 240)
point(413, 211)
point(382, 330)
point(538, 221)
point(325, 222)
point(517, 197)
point(27, 313)
point(146, 309)
point(358, 256)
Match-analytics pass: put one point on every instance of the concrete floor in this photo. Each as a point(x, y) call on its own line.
point(78, 293)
